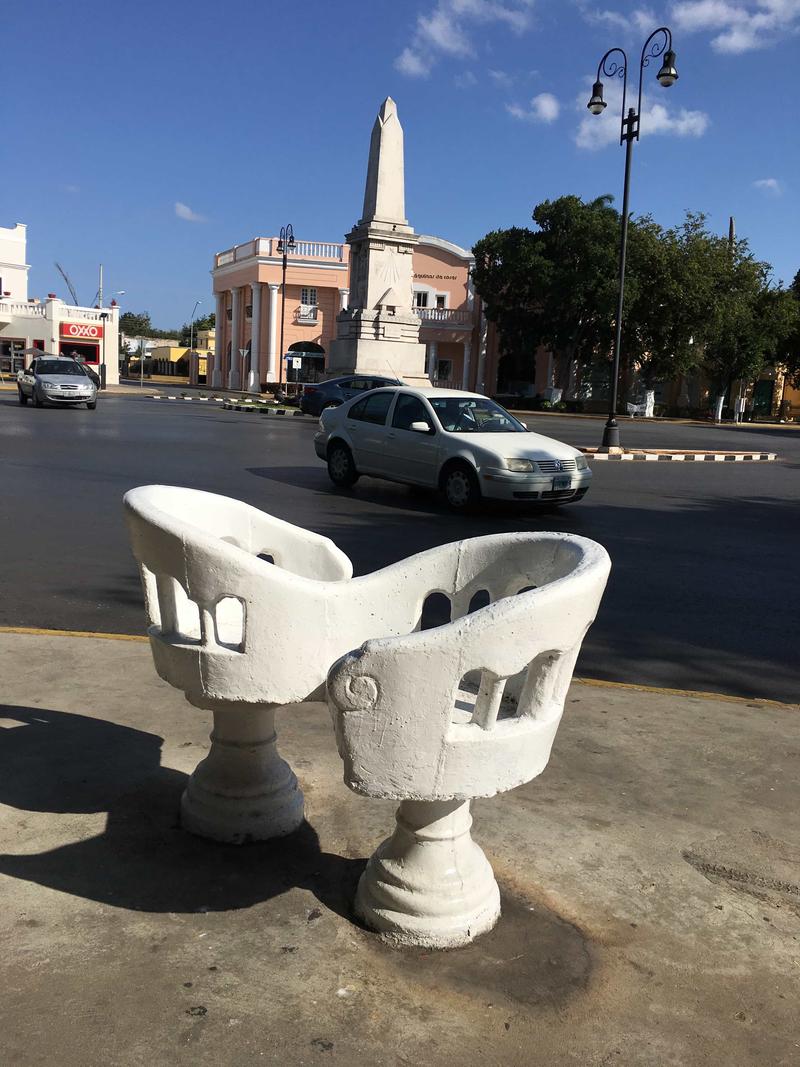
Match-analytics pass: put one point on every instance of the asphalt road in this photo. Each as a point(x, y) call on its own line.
point(703, 592)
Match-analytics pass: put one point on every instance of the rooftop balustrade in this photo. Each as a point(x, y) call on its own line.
point(329, 251)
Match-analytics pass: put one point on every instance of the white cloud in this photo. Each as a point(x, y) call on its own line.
point(411, 63)
point(445, 30)
point(501, 78)
point(738, 25)
point(183, 211)
point(542, 108)
point(465, 80)
point(72, 188)
point(598, 131)
point(769, 185)
point(641, 20)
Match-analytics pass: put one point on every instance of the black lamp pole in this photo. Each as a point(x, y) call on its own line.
point(286, 243)
point(659, 42)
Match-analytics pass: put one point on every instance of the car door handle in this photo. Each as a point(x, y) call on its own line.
point(391, 436)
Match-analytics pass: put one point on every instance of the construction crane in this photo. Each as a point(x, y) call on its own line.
point(70, 286)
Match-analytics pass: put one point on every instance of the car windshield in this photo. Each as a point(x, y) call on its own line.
point(471, 415)
point(57, 366)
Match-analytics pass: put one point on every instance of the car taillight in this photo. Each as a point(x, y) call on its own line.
point(309, 389)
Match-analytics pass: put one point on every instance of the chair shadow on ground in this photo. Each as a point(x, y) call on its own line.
point(52, 761)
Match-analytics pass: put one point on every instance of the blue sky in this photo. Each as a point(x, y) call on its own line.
point(259, 113)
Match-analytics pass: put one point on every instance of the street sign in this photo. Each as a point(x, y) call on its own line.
point(297, 362)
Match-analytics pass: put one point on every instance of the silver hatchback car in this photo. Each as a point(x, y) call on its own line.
point(56, 380)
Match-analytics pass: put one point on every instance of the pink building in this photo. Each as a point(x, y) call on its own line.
point(461, 351)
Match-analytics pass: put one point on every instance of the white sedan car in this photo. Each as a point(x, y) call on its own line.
point(462, 443)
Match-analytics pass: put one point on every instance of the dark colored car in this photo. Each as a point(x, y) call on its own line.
point(336, 391)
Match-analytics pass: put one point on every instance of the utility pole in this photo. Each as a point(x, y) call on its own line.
point(100, 287)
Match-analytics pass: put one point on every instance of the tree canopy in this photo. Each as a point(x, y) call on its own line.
point(693, 300)
point(138, 324)
point(188, 332)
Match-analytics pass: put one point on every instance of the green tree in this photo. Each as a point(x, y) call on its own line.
point(205, 323)
point(749, 318)
point(791, 346)
point(555, 286)
point(135, 324)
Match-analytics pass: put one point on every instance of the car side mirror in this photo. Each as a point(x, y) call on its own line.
point(420, 427)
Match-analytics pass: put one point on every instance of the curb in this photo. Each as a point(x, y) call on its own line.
point(661, 456)
point(199, 399)
point(249, 406)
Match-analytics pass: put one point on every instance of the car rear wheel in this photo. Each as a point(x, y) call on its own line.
point(341, 468)
point(22, 398)
point(460, 487)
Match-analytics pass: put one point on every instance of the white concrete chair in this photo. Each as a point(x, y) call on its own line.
point(464, 710)
point(229, 626)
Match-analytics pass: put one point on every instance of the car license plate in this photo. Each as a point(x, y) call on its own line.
point(564, 482)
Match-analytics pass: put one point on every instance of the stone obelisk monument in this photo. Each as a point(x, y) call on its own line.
point(379, 332)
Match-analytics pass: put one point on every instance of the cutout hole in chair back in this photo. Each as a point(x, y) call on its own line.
point(481, 599)
point(436, 611)
point(178, 615)
point(229, 623)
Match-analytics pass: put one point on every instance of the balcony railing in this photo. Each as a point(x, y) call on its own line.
point(21, 308)
point(455, 317)
point(307, 313)
point(66, 312)
point(268, 246)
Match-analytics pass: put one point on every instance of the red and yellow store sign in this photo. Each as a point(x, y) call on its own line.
point(82, 331)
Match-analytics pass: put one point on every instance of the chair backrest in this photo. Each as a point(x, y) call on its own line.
point(471, 708)
point(219, 578)
point(226, 624)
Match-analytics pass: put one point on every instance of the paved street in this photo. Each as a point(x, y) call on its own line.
point(703, 556)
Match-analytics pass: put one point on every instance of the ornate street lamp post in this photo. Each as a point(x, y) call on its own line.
point(286, 244)
point(658, 43)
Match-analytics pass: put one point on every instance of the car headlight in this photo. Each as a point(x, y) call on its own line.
point(581, 463)
point(521, 466)
point(48, 386)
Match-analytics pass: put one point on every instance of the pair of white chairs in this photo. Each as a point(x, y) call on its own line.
point(248, 613)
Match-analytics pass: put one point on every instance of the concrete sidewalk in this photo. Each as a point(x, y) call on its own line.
point(651, 907)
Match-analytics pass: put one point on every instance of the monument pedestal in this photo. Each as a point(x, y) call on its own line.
point(381, 344)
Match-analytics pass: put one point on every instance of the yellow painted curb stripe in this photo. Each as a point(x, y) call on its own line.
point(35, 631)
point(600, 683)
point(699, 694)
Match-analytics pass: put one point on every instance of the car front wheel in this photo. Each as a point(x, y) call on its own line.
point(460, 487)
point(22, 398)
point(91, 404)
point(37, 402)
point(341, 468)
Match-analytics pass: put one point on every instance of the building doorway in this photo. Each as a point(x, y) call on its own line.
point(312, 363)
point(83, 353)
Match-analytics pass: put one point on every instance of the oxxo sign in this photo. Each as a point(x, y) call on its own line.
point(81, 331)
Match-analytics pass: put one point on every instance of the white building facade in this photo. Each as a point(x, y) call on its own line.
point(28, 324)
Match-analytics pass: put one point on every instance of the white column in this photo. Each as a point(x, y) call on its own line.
point(432, 356)
point(233, 374)
point(344, 295)
point(219, 344)
point(254, 377)
point(465, 369)
point(273, 332)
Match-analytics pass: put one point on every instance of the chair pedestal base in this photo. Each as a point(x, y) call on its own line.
point(429, 884)
point(243, 790)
